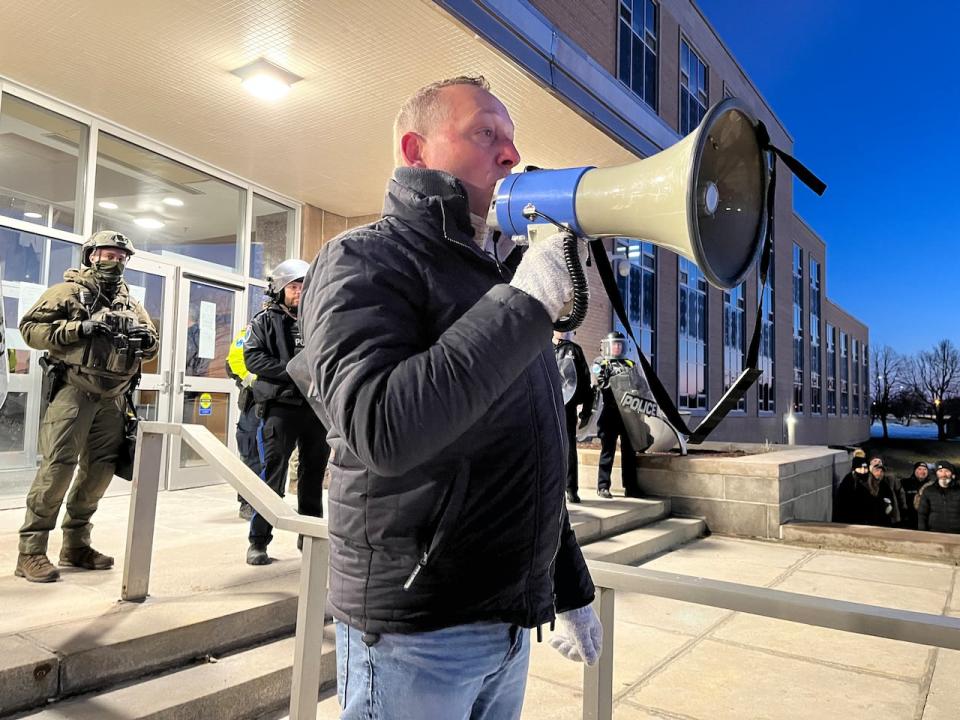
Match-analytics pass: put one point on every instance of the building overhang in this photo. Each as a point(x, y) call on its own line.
point(163, 70)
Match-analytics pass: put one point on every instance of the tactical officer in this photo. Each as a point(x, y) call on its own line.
point(248, 421)
point(575, 387)
point(613, 361)
point(287, 421)
point(95, 335)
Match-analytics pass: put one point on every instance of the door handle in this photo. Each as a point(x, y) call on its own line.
point(165, 385)
point(180, 385)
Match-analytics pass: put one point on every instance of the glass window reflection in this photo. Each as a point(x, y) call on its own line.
point(40, 172)
point(166, 207)
point(270, 235)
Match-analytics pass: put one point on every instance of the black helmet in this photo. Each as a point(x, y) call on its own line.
point(611, 341)
point(102, 239)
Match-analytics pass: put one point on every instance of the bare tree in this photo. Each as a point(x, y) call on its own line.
point(887, 377)
point(935, 376)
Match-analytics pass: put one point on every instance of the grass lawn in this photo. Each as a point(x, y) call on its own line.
point(899, 455)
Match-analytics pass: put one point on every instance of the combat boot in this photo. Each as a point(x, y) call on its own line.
point(257, 555)
point(36, 568)
point(85, 558)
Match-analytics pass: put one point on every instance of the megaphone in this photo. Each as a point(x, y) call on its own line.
point(703, 198)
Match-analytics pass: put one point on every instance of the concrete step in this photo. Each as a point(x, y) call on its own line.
point(596, 518)
point(241, 686)
point(941, 547)
point(44, 664)
point(643, 543)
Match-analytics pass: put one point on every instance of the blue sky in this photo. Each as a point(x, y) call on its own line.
point(869, 92)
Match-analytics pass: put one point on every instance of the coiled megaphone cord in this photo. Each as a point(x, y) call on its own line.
point(581, 289)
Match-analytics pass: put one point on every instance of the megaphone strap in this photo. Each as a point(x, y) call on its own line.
point(803, 173)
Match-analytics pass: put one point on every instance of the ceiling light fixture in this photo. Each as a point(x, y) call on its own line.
point(173, 202)
point(265, 80)
point(149, 223)
point(106, 205)
point(33, 215)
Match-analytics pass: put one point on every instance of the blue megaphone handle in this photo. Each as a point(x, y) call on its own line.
point(552, 192)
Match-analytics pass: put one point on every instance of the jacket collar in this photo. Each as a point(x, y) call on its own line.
point(432, 202)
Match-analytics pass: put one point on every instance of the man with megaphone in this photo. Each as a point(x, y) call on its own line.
point(427, 355)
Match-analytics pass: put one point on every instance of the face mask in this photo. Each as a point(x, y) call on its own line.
point(108, 272)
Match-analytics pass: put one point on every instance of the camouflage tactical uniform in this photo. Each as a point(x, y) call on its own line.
point(85, 418)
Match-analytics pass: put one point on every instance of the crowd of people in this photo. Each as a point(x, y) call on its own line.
point(929, 499)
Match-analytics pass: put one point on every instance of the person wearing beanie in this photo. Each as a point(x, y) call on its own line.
point(878, 472)
point(862, 499)
point(939, 509)
point(911, 491)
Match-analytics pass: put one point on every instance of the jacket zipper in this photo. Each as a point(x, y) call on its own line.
point(563, 507)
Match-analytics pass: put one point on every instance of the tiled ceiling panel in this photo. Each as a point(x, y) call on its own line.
point(162, 69)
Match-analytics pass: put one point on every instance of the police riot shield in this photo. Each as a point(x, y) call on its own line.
point(590, 417)
point(644, 421)
point(568, 376)
point(4, 360)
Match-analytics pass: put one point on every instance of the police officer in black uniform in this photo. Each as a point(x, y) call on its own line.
point(575, 385)
point(613, 361)
point(287, 421)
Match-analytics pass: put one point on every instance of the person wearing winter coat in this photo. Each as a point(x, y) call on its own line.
point(939, 509)
point(862, 499)
point(427, 355)
point(911, 492)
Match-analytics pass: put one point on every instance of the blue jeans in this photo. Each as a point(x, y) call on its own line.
point(466, 672)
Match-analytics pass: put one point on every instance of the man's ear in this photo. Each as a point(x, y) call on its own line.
point(412, 146)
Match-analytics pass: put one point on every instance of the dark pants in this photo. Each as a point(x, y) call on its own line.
point(247, 427)
point(570, 411)
point(283, 428)
point(609, 428)
point(77, 428)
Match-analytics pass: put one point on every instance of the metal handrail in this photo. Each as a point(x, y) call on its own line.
point(314, 563)
point(903, 625)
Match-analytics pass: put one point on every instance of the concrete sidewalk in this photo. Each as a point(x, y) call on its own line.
point(673, 660)
point(677, 661)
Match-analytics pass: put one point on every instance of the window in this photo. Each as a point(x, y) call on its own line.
point(831, 370)
point(797, 329)
point(635, 263)
point(734, 337)
point(166, 207)
point(865, 390)
point(692, 337)
point(255, 298)
point(637, 48)
point(855, 367)
point(766, 389)
point(41, 172)
point(694, 91)
point(844, 375)
point(270, 236)
point(816, 391)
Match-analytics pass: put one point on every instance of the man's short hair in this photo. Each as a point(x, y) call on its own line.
point(423, 110)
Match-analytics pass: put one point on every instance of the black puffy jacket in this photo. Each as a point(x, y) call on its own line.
point(939, 509)
point(439, 386)
point(272, 340)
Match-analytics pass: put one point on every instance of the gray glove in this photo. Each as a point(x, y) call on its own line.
point(578, 635)
point(543, 274)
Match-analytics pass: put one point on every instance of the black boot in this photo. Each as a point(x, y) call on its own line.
point(257, 555)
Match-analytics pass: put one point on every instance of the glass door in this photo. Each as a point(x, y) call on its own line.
point(203, 393)
point(154, 285)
